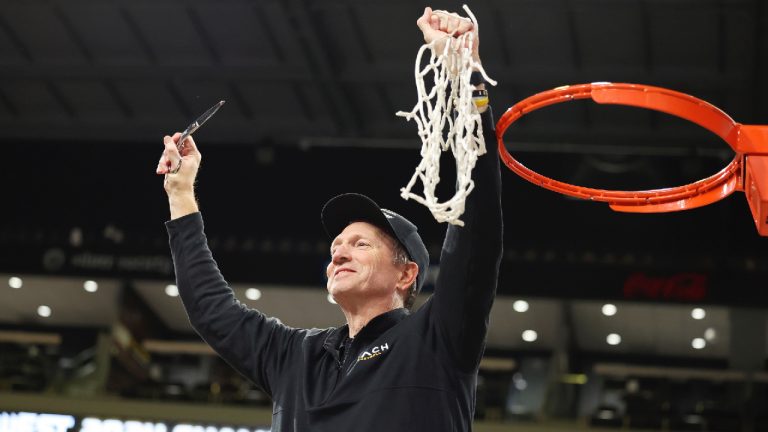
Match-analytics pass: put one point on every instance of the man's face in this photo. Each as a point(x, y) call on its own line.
point(362, 264)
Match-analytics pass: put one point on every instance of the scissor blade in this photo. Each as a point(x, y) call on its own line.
point(208, 114)
point(197, 123)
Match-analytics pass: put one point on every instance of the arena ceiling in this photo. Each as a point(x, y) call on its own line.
point(301, 70)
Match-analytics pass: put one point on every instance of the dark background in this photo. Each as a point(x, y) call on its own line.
point(312, 88)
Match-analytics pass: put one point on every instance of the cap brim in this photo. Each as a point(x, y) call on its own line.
point(344, 209)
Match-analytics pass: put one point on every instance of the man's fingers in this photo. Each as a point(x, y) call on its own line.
point(170, 158)
point(434, 22)
point(424, 20)
point(453, 24)
point(161, 168)
point(429, 24)
point(464, 26)
point(450, 23)
point(170, 148)
point(443, 21)
point(163, 163)
point(190, 148)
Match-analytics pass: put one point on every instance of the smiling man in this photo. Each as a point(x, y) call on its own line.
point(378, 260)
point(386, 369)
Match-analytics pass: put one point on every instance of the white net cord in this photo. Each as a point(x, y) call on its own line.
point(447, 120)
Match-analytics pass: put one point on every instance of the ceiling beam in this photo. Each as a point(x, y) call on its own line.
point(158, 72)
point(323, 74)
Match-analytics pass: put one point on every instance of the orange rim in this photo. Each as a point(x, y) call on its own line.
point(697, 194)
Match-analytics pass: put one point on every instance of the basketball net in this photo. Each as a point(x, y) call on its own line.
point(447, 120)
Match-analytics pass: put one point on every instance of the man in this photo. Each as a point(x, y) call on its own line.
point(387, 369)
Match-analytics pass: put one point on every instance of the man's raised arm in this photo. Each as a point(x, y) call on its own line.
point(255, 345)
point(471, 255)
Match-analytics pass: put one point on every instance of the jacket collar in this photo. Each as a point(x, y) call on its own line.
point(372, 330)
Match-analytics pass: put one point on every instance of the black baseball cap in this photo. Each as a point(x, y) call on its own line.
point(344, 209)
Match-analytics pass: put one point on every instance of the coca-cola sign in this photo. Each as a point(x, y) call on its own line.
point(680, 286)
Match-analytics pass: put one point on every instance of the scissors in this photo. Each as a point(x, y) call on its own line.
point(196, 124)
point(192, 128)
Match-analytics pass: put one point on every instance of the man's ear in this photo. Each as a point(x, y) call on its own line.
point(408, 276)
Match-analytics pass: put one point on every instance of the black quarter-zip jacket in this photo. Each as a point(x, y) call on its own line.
point(402, 372)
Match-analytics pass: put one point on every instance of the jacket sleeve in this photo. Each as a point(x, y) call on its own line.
point(255, 345)
point(469, 261)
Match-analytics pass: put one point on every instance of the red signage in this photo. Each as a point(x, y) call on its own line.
point(690, 287)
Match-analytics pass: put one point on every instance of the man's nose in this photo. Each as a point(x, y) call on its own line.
point(340, 254)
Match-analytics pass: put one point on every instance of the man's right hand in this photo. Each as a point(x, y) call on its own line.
point(180, 170)
point(439, 26)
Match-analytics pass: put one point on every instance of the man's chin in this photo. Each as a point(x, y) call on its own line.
point(341, 292)
point(337, 292)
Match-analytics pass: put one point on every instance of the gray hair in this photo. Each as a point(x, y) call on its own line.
point(401, 257)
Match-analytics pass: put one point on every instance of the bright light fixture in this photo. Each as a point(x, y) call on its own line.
point(520, 306)
point(698, 343)
point(15, 282)
point(44, 311)
point(606, 414)
point(710, 334)
point(530, 335)
point(253, 294)
point(172, 290)
point(609, 309)
point(698, 313)
point(613, 339)
point(90, 286)
point(521, 384)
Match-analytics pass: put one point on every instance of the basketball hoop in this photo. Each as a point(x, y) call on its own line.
point(747, 172)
